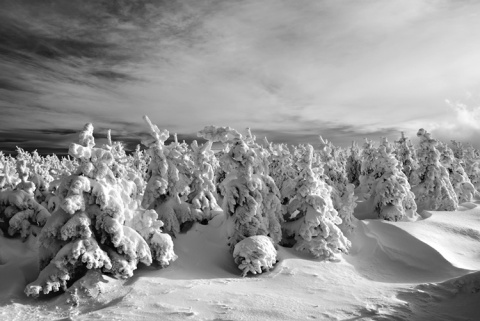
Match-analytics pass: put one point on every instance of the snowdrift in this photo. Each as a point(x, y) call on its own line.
point(395, 270)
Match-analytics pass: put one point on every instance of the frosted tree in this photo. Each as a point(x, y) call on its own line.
point(354, 165)
point(407, 159)
point(390, 193)
point(435, 191)
point(251, 199)
point(312, 221)
point(368, 156)
point(180, 181)
point(472, 166)
point(335, 175)
point(282, 170)
point(461, 183)
point(20, 213)
point(97, 225)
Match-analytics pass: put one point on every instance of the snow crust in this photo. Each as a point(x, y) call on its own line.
point(395, 270)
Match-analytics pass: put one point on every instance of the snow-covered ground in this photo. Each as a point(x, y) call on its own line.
point(423, 270)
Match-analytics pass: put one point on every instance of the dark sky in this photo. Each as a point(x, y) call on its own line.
point(289, 70)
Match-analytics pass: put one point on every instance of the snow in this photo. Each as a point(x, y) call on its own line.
point(427, 269)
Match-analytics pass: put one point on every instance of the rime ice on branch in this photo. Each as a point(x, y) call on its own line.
point(95, 224)
point(251, 198)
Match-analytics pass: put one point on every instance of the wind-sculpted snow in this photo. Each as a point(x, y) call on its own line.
point(434, 249)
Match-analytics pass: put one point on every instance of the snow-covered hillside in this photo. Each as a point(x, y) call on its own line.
point(254, 232)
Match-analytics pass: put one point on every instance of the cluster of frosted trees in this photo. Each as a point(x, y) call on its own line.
point(103, 209)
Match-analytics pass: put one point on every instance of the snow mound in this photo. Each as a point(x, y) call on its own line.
point(440, 247)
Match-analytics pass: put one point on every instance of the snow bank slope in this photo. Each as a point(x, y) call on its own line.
point(443, 246)
point(387, 276)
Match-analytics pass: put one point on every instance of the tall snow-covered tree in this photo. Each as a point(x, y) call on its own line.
point(461, 183)
point(335, 175)
point(354, 165)
point(173, 171)
point(312, 221)
point(434, 191)
point(251, 198)
point(407, 158)
point(390, 192)
point(97, 225)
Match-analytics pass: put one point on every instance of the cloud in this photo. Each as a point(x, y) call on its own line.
point(463, 124)
point(294, 69)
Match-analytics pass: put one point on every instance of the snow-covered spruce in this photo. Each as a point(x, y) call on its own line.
point(282, 170)
point(251, 198)
point(180, 181)
point(390, 194)
point(335, 175)
point(407, 159)
point(435, 191)
point(94, 227)
point(312, 221)
point(461, 183)
point(19, 211)
point(368, 156)
point(472, 166)
point(354, 165)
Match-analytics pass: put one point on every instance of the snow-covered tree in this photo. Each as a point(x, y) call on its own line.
point(354, 165)
point(368, 156)
point(434, 191)
point(95, 224)
point(175, 189)
point(407, 159)
point(251, 198)
point(312, 221)
point(461, 183)
point(391, 195)
point(472, 166)
point(335, 175)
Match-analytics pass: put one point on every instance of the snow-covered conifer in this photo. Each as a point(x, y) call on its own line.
point(354, 165)
point(435, 191)
point(180, 182)
point(94, 226)
point(335, 175)
point(312, 221)
point(391, 195)
point(407, 159)
point(461, 183)
point(251, 198)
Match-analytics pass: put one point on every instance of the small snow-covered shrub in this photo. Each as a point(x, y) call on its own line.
point(255, 254)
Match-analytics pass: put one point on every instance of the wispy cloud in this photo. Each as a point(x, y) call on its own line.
point(291, 69)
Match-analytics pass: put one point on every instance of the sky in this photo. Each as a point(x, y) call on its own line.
point(289, 70)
